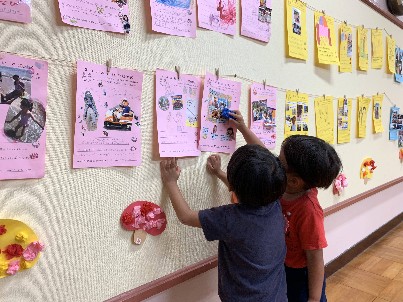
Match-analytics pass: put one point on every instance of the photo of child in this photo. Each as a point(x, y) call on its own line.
point(119, 117)
point(400, 141)
point(296, 25)
point(264, 15)
point(14, 84)
point(259, 110)
point(217, 103)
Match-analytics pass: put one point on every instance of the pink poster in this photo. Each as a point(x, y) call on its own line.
point(174, 17)
point(217, 15)
point(23, 89)
point(16, 10)
point(106, 15)
point(263, 113)
point(108, 108)
point(256, 19)
point(177, 106)
point(217, 134)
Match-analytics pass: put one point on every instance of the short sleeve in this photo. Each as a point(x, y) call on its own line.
point(214, 223)
point(311, 228)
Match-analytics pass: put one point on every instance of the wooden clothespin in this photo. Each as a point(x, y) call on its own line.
point(177, 70)
point(345, 23)
point(264, 84)
point(323, 12)
point(217, 73)
point(324, 97)
point(297, 90)
point(108, 66)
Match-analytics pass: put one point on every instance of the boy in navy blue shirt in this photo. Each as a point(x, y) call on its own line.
point(250, 231)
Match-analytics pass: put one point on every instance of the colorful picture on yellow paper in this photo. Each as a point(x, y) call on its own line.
point(362, 114)
point(344, 106)
point(377, 113)
point(346, 48)
point(296, 113)
point(362, 49)
point(296, 29)
point(324, 118)
point(325, 39)
point(377, 48)
point(391, 45)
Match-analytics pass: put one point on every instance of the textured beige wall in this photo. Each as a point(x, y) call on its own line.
point(76, 212)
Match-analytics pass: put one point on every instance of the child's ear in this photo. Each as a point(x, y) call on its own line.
point(234, 198)
point(295, 182)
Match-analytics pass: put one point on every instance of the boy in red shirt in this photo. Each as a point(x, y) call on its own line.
point(310, 163)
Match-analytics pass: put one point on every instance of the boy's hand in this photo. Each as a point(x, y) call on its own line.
point(214, 164)
point(237, 119)
point(169, 171)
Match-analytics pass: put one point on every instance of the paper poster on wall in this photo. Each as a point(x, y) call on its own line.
point(362, 115)
point(324, 118)
point(326, 44)
point(177, 107)
point(105, 15)
point(362, 49)
point(399, 65)
point(174, 17)
point(344, 106)
point(377, 48)
point(377, 101)
point(216, 132)
point(346, 48)
point(16, 10)
point(263, 113)
point(256, 19)
point(217, 15)
point(23, 89)
point(391, 48)
point(296, 29)
point(108, 109)
point(396, 123)
point(296, 113)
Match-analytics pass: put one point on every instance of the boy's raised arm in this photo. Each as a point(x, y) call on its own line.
point(248, 135)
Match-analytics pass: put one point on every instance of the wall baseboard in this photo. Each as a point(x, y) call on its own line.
point(336, 264)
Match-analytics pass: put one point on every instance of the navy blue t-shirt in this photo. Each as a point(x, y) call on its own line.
point(251, 251)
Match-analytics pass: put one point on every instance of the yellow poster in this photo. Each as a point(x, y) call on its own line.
point(346, 48)
point(391, 45)
point(362, 114)
point(362, 49)
point(377, 113)
point(325, 39)
point(296, 113)
point(377, 48)
point(296, 29)
point(344, 106)
point(324, 118)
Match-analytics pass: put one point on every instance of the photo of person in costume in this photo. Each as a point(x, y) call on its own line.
point(15, 83)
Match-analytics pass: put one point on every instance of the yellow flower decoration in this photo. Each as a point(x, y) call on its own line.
point(22, 237)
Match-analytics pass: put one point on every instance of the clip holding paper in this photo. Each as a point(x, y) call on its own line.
point(108, 66)
point(297, 91)
point(264, 84)
point(324, 97)
point(323, 12)
point(217, 73)
point(177, 70)
point(345, 23)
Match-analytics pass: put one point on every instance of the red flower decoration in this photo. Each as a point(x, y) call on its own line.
point(3, 229)
point(127, 218)
point(146, 208)
point(13, 250)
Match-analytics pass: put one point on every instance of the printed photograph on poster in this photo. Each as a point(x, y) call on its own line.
point(296, 113)
point(108, 117)
point(344, 106)
point(256, 19)
point(16, 10)
point(399, 65)
point(177, 107)
point(400, 141)
point(395, 123)
point(105, 15)
point(217, 15)
point(23, 93)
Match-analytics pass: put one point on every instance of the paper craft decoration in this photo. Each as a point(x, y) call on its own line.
point(326, 44)
point(216, 133)
point(296, 113)
point(108, 117)
point(177, 107)
point(346, 48)
point(105, 15)
point(401, 152)
point(263, 113)
point(391, 46)
point(339, 184)
point(344, 106)
point(16, 10)
point(19, 246)
point(399, 65)
point(377, 48)
point(23, 89)
point(395, 124)
point(367, 168)
point(256, 19)
point(143, 217)
point(217, 15)
point(324, 118)
point(174, 17)
point(296, 29)
point(377, 113)
point(362, 114)
point(362, 49)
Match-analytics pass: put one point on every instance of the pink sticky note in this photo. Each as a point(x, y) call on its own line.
point(108, 109)
point(106, 15)
point(174, 17)
point(263, 113)
point(23, 89)
point(217, 15)
point(256, 19)
point(16, 10)
point(177, 106)
point(217, 134)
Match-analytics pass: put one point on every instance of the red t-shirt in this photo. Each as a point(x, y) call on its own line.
point(305, 229)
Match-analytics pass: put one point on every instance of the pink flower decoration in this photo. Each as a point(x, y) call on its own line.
point(13, 267)
point(3, 229)
point(32, 250)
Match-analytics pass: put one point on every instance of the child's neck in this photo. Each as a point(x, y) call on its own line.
point(289, 196)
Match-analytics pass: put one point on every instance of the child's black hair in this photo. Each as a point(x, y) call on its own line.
point(16, 77)
point(256, 176)
point(312, 159)
point(27, 104)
